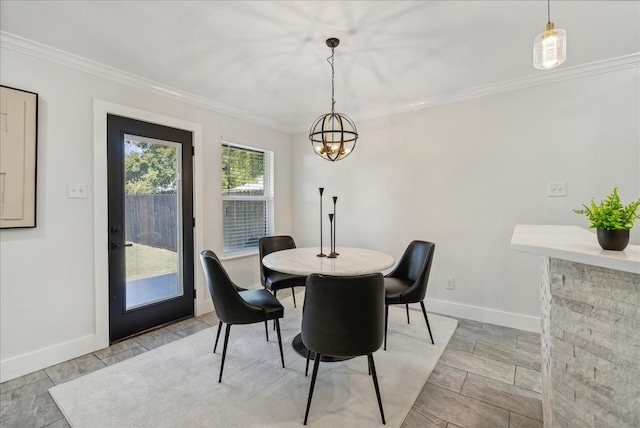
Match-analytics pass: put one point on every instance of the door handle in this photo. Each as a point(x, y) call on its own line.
point(117, 244)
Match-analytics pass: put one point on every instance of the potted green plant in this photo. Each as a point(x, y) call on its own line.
point(612, 219)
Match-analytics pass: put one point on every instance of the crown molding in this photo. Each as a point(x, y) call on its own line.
point(57, 56)
point(543, 78)
point(48, 53)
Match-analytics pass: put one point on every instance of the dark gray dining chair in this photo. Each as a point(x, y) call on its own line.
point(407, 283)
point(272, 280)
point(343, 317)
point(236, 305)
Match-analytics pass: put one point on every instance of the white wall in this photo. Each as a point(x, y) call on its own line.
point(464, 174)
point(50, 297)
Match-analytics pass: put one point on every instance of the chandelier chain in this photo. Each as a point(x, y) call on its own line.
point(333, 101)
point(333, 135)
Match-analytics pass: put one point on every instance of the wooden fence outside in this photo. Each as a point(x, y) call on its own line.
point(152, 220)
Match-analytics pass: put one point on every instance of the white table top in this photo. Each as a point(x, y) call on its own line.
point(575, 244)
point(350, 262)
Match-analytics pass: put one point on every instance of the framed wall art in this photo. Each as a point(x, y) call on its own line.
point(18, 156)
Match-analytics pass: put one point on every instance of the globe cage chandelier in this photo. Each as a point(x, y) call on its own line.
point(550, 46)
point(333, 135)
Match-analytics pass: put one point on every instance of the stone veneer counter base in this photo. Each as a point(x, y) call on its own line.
point(590, 313)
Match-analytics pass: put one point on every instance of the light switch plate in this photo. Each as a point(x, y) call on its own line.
point(76, 191)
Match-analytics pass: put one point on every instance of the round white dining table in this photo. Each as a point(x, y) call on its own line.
point(304, 261)
point(349, 262)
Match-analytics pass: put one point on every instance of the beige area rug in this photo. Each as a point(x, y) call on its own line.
point(176, 385)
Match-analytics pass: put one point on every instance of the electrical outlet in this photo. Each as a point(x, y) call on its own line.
point(451, 284)
point(557, 189)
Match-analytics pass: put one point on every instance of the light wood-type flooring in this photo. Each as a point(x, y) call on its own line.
point(488, 376)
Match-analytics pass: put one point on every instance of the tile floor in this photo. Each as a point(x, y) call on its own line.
point(488, 376)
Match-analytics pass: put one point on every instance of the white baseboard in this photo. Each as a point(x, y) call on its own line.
point(491, 316)
point(21, 365)
point(204, 306)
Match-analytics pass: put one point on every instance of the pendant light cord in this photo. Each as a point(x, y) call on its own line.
point(333, 102)
point(548, 11)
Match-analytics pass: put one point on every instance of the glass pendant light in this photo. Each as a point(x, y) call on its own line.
point(550, 47)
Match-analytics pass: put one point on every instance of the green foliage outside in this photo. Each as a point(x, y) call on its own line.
point(149, 168)
point(610, 214)
point(240, 167)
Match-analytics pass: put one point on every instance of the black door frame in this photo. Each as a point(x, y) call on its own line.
point(122, 322)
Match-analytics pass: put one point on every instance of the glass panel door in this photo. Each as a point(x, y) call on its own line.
point(153, 222)
point(151, 225)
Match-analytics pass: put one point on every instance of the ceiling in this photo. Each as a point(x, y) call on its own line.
point(267, 59)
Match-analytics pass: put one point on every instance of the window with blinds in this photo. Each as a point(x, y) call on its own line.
point(247, 197)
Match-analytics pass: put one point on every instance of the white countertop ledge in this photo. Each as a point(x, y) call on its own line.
point(574, 244)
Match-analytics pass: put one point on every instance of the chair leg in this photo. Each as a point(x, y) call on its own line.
point(217, 336)
point(386, 323)
point(266, 329)
point(408, 321)
point(306, 369)
point(372, 367)
point(279, 340)
point(293, 293)
point(316, 363)
point(224, 350)
point(424, 311)
point(274, 295)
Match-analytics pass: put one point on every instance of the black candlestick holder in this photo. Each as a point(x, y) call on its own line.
point(332, 254)
point(321, 189)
